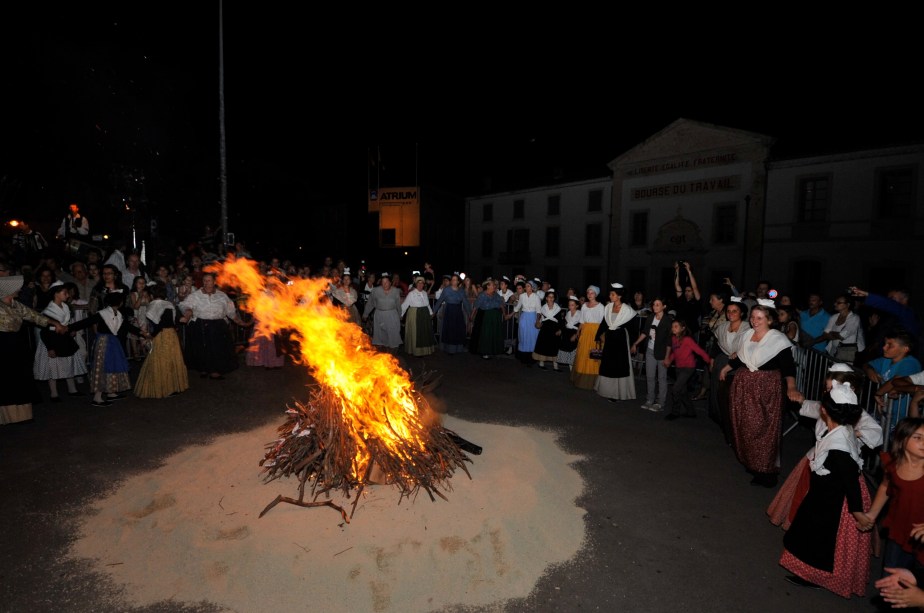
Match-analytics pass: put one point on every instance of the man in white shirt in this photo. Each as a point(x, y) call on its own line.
point(74, 225)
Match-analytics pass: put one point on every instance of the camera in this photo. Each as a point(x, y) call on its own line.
point(681, 263)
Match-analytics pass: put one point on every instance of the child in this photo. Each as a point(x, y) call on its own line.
point(786, 502)
point(683, 354)
point(828, 543)
point(57, 355)
point(903, 488)
point(164, 371)
point(568, 332)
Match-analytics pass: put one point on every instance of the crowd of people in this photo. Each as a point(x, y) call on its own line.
point(84, 323)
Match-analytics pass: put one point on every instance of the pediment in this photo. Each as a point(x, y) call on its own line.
point(689, 137)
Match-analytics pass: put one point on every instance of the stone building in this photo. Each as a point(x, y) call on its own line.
point(715, 197)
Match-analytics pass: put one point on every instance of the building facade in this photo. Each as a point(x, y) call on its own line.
point(559, 233)
point(851, 219)
point(714, 197)
point(693, 193)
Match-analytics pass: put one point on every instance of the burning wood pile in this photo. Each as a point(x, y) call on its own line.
point(365, 421)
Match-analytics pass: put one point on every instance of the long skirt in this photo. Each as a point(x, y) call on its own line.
point(783, 508)
point(418, 332)
point(266, 352)
point(615, 379)
point(584, 372)
point(487, 332)
point(510, 328)
point(452, 334)
point(108, 366)
point(19, 389)
point(851, 557)
point(386, 328)
point(756, 414)
point(209, 348)
point(46, 368)
point(528, 332)
point(164, 371)
point(547, 342)
point(566, 347)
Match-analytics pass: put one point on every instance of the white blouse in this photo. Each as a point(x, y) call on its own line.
point(528, 303)
point(416, 298)
point(850, 331)
point(208, 306)
point(592, 315)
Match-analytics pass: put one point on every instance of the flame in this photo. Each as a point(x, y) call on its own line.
point(376, 395)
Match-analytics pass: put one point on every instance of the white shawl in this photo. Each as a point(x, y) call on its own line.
point(548, 314)
point(615, 320)
point(755, 355)
point(112, 318)
point(61, 314)
point(728, 340)
point(841, 438)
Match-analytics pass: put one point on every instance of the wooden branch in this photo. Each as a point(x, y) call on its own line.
point(325, 503)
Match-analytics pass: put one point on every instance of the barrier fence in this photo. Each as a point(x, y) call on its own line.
point(812, 368)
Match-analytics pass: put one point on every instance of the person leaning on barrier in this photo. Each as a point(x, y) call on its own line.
point(896, 361)
point(909, 384)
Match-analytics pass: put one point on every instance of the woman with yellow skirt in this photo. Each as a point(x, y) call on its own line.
point(164, 371)
point(584, 371)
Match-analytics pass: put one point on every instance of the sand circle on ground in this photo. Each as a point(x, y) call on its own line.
point(189, 531)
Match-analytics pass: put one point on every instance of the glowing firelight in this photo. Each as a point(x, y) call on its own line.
point(375, 393)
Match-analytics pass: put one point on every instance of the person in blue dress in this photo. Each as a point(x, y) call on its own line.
point(452, 332)
point(527, 309)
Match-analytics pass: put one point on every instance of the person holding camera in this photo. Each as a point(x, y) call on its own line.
point(688, 306)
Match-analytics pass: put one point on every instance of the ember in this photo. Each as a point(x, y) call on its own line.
point(365, 421)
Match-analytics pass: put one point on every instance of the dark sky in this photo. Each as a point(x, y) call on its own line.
point(102, 95)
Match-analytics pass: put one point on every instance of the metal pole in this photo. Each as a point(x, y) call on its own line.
point(221, 124)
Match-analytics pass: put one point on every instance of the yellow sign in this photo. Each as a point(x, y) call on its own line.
point(399, 215)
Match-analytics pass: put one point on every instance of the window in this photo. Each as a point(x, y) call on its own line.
point(638, 282)
point(593, 239)
point(725, 224)
point(551, 275)
point(552, 235)
point(595, 201)
point(554, 205)
point(896, 192)
point(639, 231)
point(806, 278)
point(487, 244)
point(487, 213)
point(592, 277)
point(388, 237)
point(518, 240)
point(814, 198)
point(518, 206)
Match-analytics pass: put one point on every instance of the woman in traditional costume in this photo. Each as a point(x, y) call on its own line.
point(487, 322)
point(547, 343)
point(418, 327)
point(765, 374)
point(584, 372)
point(615, 380)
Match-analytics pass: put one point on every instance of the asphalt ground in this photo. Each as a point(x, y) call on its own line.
point(672, 521)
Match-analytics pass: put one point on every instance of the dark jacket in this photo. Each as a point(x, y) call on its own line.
point(662, 335)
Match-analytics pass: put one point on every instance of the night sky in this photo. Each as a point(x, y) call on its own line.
point(111, 101)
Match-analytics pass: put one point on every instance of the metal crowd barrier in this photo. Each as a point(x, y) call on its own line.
point(812, 368)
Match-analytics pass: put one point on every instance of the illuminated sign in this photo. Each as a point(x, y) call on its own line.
point(399, 215)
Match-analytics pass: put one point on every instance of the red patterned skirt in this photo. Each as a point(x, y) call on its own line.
point(851, 557)
point(756, 414)
point(786, 502)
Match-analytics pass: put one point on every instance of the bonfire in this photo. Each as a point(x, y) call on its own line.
point(366, 420)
